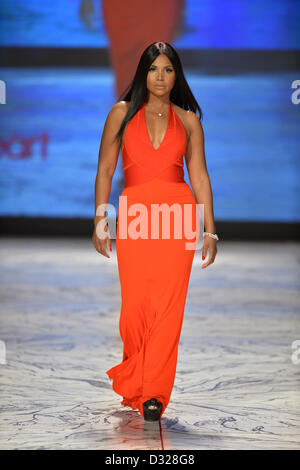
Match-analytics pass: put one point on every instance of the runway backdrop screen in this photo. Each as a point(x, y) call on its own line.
point(52, 117)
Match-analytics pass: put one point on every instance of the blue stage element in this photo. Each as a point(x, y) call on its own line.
point(230, 24)
point(52, 126)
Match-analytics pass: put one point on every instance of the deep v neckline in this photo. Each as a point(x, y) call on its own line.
point(167, 129)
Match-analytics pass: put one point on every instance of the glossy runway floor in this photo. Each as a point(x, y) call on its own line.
point(238, 377)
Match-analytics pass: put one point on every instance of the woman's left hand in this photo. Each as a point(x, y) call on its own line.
point(210, 245)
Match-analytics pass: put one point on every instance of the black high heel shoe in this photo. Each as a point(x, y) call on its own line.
point(152, 409)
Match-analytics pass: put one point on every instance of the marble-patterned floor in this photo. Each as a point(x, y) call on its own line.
point(237, 384)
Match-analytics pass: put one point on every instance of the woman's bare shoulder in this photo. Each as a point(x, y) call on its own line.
point(116, 114)
point(184, 116)
point(120, 108)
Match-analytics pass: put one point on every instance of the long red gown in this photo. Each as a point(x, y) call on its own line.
point(154, 272)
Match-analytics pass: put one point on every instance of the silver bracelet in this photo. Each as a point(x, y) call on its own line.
point(212, 235)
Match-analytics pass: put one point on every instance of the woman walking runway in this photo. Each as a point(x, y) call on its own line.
point(158, 225)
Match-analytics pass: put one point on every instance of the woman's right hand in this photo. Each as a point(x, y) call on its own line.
point(99, 243)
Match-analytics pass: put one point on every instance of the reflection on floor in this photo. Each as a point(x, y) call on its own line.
point(237, 381)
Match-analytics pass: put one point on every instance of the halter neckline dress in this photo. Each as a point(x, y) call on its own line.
point(154, 272)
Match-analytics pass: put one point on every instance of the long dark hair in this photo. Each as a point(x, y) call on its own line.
point(181, 94)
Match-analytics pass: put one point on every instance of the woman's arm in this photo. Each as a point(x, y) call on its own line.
point(200, 181)
point(107, 162)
